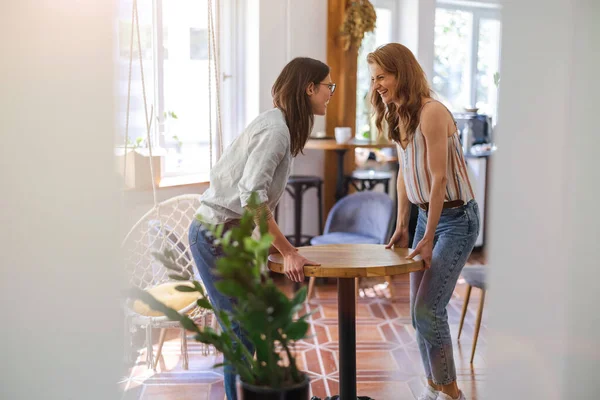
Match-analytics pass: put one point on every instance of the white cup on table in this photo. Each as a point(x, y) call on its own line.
point(342, 134)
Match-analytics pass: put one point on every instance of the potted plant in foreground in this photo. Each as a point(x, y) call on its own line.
point(265, 313)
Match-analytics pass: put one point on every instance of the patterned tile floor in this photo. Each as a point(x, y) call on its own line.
point(388, 361)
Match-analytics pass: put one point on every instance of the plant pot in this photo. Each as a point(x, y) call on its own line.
point(299, 391)
point(138, 166)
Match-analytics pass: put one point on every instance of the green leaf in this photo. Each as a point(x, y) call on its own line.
point(183, 288)
point(256, 322)
point(154, 304)
point(297, 330)
point(250, 244)
point(169, 260)
point(228, 266)
point(204, 303)
point(224, 318)
point(226, 239)
point(219, 231)
point(265, 242)
point(300, 296)
point(188, 324)
point(230, 288)
point(199, 288)
point(308, 314)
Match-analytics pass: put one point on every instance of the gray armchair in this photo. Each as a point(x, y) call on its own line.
point(359, 218)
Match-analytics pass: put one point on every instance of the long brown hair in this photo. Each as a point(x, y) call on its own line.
point(412, 86)
point(289, 95)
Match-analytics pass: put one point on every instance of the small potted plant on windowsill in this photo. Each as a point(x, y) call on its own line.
point(264, 312)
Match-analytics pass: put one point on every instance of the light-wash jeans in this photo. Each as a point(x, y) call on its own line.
point(205, 255)
point(430, 290)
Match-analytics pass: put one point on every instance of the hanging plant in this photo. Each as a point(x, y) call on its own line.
point(359, 18)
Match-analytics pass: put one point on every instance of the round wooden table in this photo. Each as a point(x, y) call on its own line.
point(346, 262)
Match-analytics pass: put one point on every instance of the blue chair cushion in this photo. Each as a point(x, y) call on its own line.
point(343, 238)
point(475, 276)
point(367, 214)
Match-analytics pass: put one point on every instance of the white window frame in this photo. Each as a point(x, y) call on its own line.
point(230, 22)
point(393, 6)
point(480, 10)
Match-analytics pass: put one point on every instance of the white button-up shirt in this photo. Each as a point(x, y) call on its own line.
point(259, 160)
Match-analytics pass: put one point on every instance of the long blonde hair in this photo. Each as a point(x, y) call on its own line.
point(412, 86)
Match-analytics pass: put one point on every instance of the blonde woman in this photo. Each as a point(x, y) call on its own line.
point(433, 176)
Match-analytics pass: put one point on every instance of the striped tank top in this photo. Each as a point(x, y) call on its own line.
point(417, 177)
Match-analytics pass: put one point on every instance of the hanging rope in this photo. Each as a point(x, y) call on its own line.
point(135, 27)
point(210, 136)
point(217, 72)
point(148, 121)
point(128, 97)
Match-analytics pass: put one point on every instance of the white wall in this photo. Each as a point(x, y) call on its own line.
point(59, 280)
point(417, 23)
point(289, 29)
point(544, 225)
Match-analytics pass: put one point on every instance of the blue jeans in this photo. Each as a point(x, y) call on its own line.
point(430, 290)
point(205, 255)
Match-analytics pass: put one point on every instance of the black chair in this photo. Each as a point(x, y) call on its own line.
point(363, 180)
point(296, 187)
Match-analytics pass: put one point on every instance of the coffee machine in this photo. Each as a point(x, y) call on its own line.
point(479, 125)
point(476, 130)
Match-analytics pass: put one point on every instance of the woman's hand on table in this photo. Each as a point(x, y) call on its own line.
point(425, 249)
point(399, 239)
point(293, 266)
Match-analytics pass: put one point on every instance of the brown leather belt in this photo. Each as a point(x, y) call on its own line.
point(447, 204)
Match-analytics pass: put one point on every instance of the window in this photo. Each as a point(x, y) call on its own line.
point(174, 41)
point(467, 55)
point(383, 33)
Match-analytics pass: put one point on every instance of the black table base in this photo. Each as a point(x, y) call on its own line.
point(340, 185)
point(347, 335)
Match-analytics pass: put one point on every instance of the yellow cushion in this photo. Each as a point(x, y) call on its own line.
point(169, 296)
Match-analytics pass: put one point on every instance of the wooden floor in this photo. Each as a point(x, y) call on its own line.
point(388, 361)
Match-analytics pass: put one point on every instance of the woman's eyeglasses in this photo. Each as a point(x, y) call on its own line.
point(331, 86)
